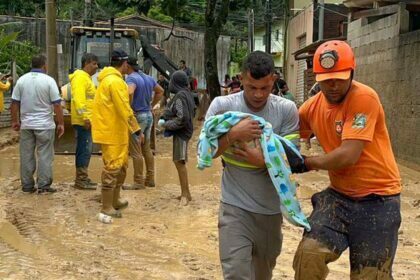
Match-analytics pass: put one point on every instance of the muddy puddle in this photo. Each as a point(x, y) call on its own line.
point(57, 236)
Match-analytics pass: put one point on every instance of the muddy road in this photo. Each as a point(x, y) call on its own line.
point(57, 236)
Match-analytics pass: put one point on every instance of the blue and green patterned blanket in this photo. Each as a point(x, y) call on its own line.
point(274, 155)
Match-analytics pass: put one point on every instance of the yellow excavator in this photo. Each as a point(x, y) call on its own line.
point(100, 41)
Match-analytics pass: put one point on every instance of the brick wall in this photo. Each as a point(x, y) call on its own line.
point(334, 22)
point(5, 120)
point(389, 62)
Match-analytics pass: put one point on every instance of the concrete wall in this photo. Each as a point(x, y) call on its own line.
point(388, 62)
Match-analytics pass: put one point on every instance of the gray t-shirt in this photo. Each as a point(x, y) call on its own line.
point(252, 189)
point(36, 93)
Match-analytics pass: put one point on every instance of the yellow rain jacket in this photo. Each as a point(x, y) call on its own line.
point(112, 116)
point(3, 87)
point(83, 92)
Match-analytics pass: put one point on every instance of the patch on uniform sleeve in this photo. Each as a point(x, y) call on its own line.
point(339, 127)
point(359, 121)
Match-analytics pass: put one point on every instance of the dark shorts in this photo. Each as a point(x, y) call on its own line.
point(367, 226)
point(180, 149)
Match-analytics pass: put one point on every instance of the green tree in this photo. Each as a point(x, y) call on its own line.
point(11, 49)
point(21, 7)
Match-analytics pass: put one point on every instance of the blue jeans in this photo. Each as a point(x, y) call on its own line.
point(83, 146)
point(145, 120)
point(138, 153)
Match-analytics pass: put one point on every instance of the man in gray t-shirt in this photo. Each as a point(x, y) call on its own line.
point(250, 218)
point(35, 98)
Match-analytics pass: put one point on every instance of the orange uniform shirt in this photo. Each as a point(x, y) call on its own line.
point(359, 117)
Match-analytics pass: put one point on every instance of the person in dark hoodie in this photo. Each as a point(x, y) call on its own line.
point(177, 120)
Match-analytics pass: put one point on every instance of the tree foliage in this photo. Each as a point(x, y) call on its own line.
point(11, 49)
point(21, 7)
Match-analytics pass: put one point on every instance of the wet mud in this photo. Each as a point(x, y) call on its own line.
point(57, 236)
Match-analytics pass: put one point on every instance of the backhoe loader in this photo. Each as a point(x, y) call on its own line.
point(97, 40)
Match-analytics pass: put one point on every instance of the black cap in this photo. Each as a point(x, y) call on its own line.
point(119, 54)
point(132, 61)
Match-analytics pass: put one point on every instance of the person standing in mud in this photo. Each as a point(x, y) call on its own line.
point(164, 84)
point(360, 210)
point(35, 98)
point(177, 120)
point(112, 122)
point(250, 219)
point(140, 89)
point(83, 92)
point(5, 83)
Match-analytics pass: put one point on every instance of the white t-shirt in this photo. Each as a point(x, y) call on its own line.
point(36, 92)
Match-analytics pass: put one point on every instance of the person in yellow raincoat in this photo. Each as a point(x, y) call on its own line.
point(112, 122)
point(83, 92)
point(4, 86)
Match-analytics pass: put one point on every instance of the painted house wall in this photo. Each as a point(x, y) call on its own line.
point(277, 42)
point(300, 28)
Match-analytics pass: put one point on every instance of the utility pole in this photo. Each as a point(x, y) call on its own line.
point(87, 20)
point(268, 19)
point(250, 30)
point(111, 39)
point(51, 38)
point(321, 20)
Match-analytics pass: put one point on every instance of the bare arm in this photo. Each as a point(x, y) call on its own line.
point(15, 108)
point(344, 156)
point(131, 90)
point(158, 94)
point(59, 119)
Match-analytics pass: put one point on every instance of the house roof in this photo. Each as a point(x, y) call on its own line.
point(309, 50)
point(369, 3)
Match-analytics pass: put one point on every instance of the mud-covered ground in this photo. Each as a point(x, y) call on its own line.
point(58, 237)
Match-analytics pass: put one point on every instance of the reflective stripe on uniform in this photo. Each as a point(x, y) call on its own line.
point(229, 158)
point(292, 137)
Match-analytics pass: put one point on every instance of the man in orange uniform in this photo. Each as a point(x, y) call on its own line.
point(360, 210)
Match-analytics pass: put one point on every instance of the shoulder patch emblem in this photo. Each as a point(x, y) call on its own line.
point(339, 127)
point(359, 121)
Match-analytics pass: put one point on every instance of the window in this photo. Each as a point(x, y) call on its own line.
point(414, 21)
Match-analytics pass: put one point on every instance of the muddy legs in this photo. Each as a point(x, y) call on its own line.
point(183, 180)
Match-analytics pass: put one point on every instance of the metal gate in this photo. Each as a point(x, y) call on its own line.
point(301, 67)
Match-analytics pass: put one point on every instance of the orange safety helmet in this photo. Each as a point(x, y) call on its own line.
point(333, 60)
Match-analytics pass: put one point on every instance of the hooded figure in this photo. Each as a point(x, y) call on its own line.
point(180, 110)
point(177, 121)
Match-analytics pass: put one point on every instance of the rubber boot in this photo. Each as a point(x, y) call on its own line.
point(82, 181)
point(109, 182)
point(117, 202)
point(183, 180)
point(138, 176)
point(150, 164)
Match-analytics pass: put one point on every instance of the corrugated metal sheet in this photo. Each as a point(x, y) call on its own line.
point(300, 78)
